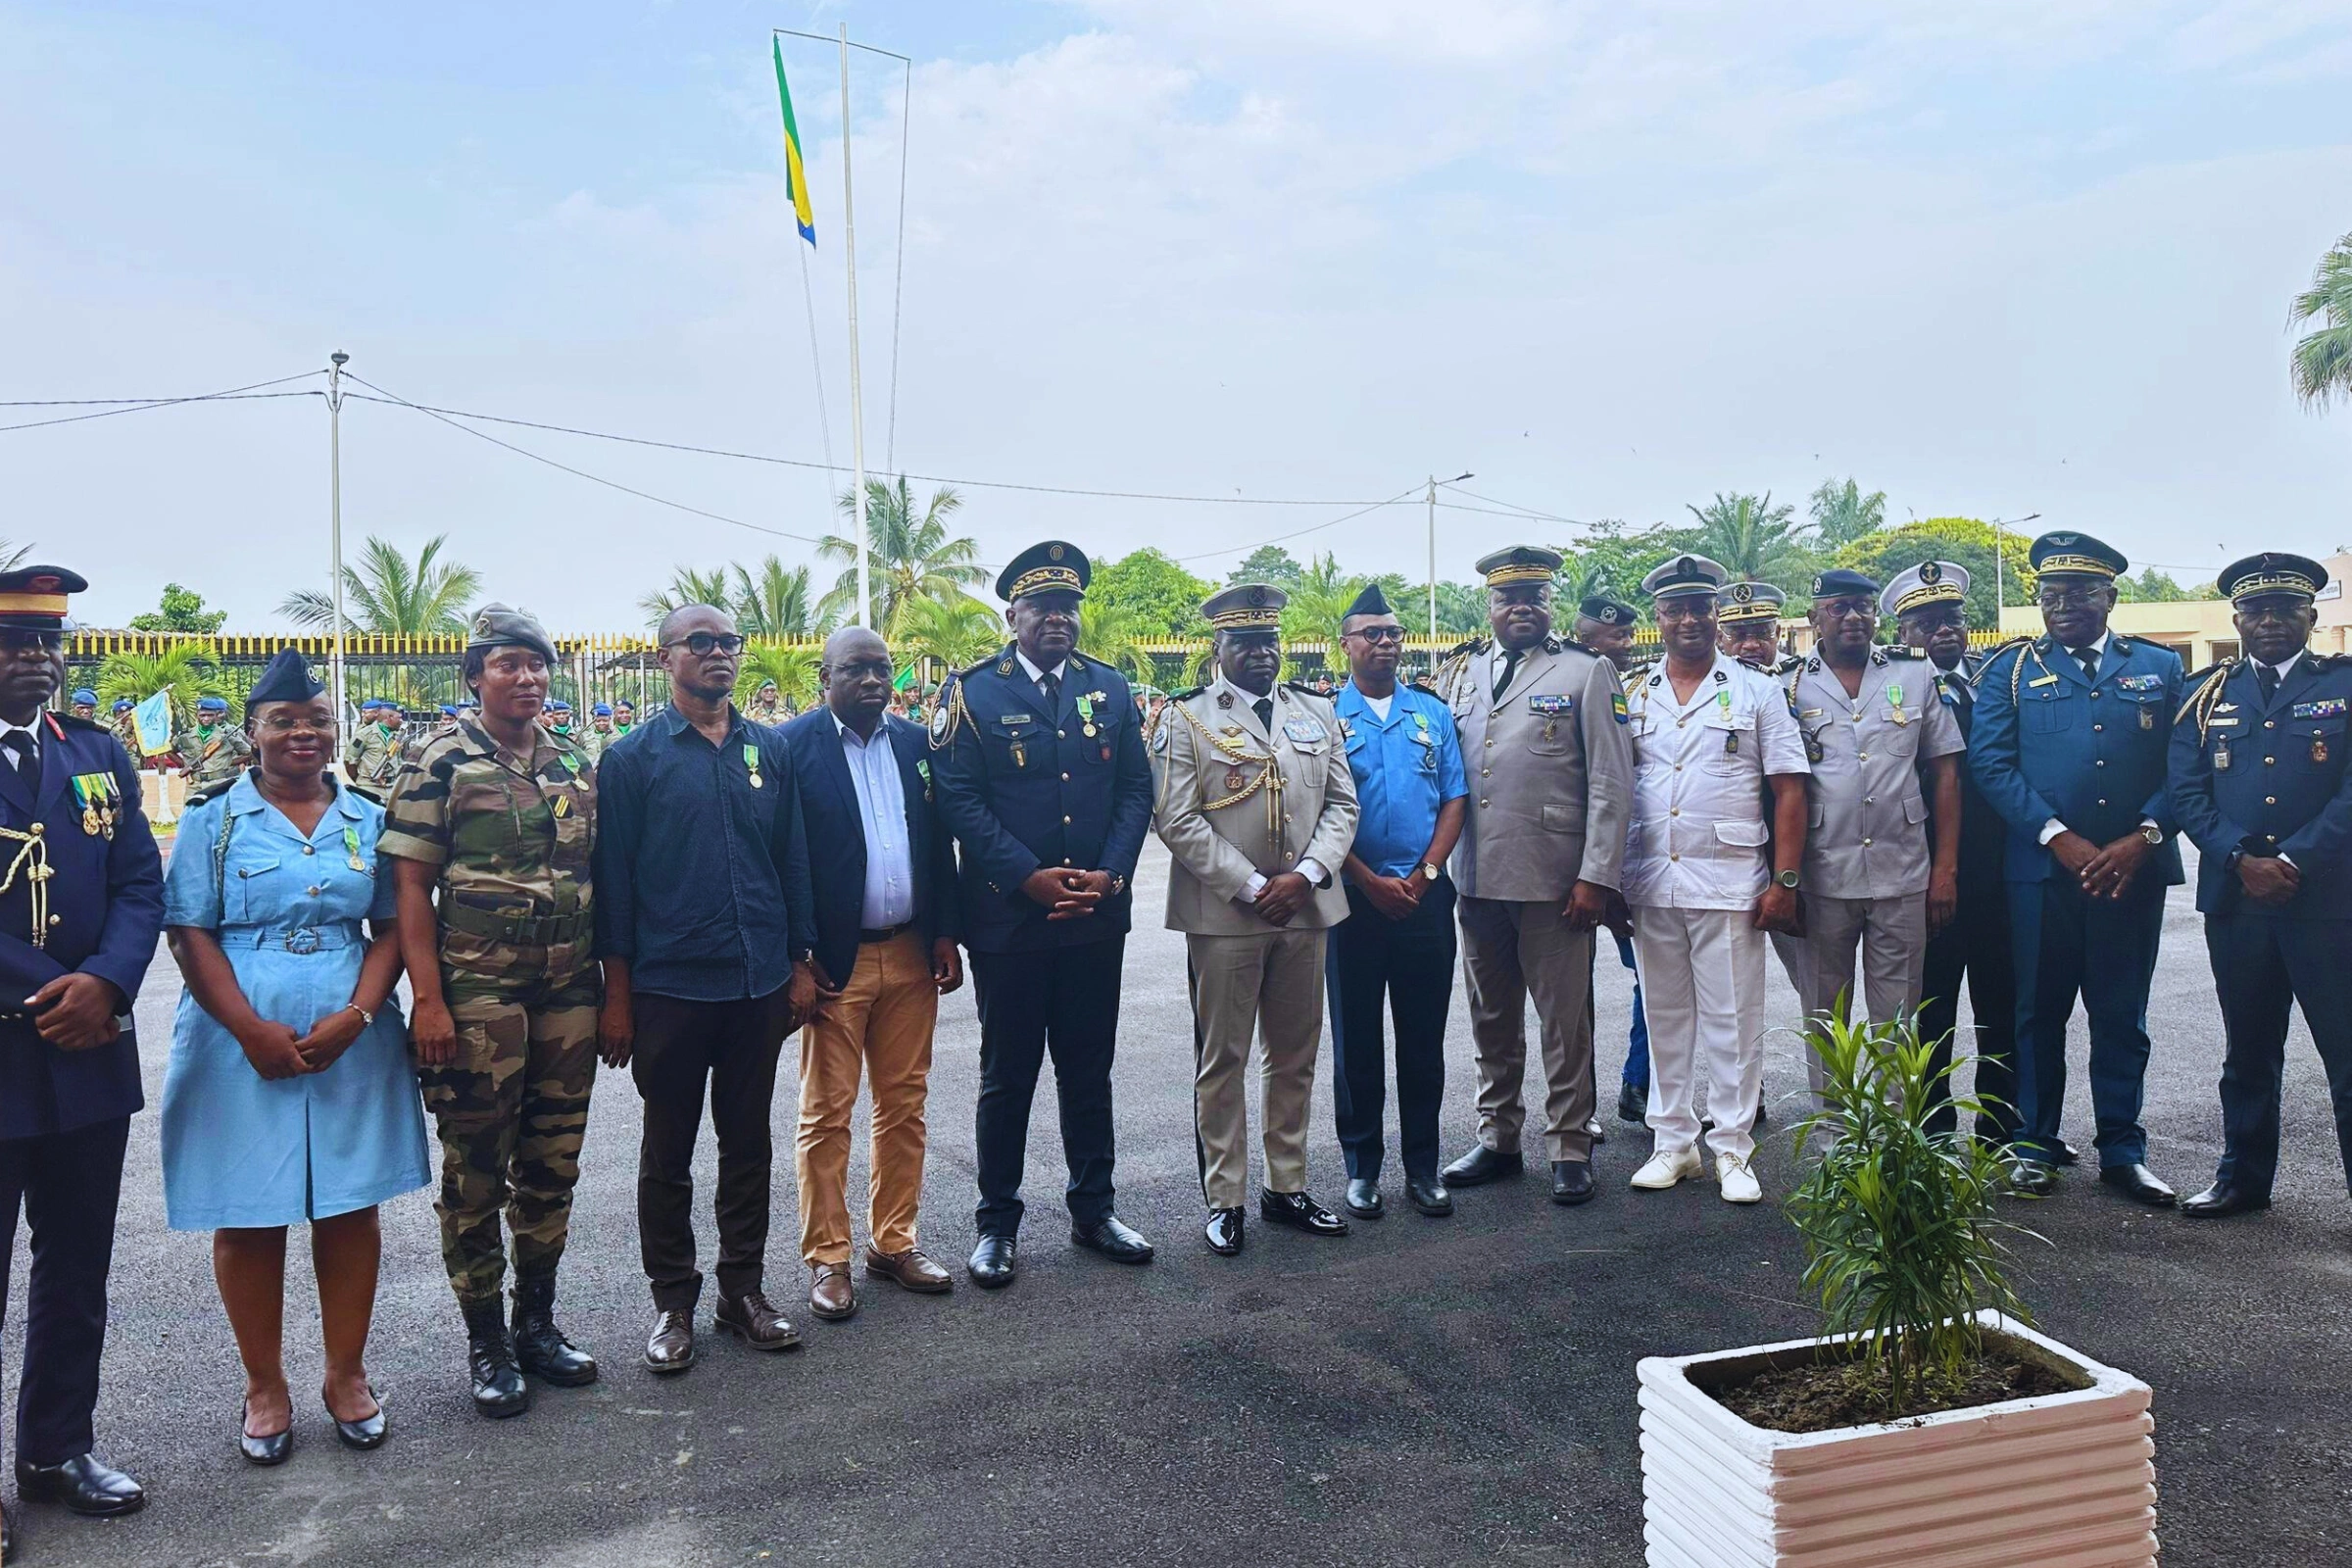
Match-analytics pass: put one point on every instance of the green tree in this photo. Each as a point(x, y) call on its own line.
point(182, 612)
point(772, 602)
point(1319, 599)
point(185, 670)
point(908, 557)
point(792, 669)
point(1614, 557)
point(1750, 537)
point(387, 595)
point(1964, 541)
point(954, 630)
point(2321, 362)
point(1270, 565)
point(2151, 586)
point(1842, 513)
point(1164, 597)
point(1461, 610)
point(687, 586)
point(1116, 633)
point(12, 554)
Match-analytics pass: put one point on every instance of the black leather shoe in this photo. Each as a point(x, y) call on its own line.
point(1633, 1102)
point(1482, 1165)
point(2219, 1201)
point(540, 1347)
point(369, 1432)
point(2066, 1154)
point(498, 1391)
point(1763, 1117)
point(275, 1450)
point(993, 1264)
point(1429, 1196)
point(1225, 1231)
point(1299, 1213)
point(2030, 1178)
point(85, 1484)
point(670, 1347)
point(1364, 1199)
point(2139, 1184)
point(1114, 1239)
point(1571, 1181)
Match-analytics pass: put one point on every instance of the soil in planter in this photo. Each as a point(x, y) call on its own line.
point(1820, 1396)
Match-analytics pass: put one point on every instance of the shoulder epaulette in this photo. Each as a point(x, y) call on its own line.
point(1002, 656)
point(1470, 645)
point(1186, 695)
point(213, 791)
point(949, 710)
point(1304, 690)
point(1904, 651)
point(1570, 642)
point(76, 721)
point(2018, 645)
point(2325, 661)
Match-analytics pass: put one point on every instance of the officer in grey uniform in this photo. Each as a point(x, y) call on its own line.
point(1875, 728)
point(1748, 618)
point(1257, 806)
point(1550, 771)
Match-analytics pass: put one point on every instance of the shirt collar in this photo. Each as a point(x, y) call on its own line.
point(849, 736)
point(674, 723)
point(1348, 699)
point(1036, 674)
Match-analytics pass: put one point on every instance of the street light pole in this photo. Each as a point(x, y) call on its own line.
point(2000, 595)
point(334, 516)
point(1433, 554)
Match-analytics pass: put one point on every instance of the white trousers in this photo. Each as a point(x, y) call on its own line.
point(1703, 995)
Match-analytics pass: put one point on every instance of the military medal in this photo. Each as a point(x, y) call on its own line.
point(2220, 756)
point(1085, 715)
point(1234, 778)
point(2319, 747)
point(351, 847)
point(2147, 716)
point(922, 768)
point(86, 791)
point(1021, 755)
point(1894, 704)
point(750, 763)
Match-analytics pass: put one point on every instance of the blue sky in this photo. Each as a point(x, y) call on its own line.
point(1993, 258)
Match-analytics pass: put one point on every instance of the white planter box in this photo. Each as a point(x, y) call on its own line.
point(2059, 1481)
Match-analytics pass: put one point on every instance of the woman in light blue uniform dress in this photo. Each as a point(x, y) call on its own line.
point(290, 1096)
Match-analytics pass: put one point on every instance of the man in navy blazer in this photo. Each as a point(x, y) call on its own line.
point(79, 914)
point(884, 868)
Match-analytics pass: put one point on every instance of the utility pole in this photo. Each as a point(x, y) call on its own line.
point(849, 255)
point(1433, 556)
point(2000, 595)
point(334, 518)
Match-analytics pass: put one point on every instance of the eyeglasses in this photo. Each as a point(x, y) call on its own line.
point(2067, 597)
point(1686, 608)
point(701, 644)
point(1378, 634)
point(288, 723)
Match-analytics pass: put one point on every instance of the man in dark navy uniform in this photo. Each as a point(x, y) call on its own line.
point(2259, 781)
point(82, 904)
point(1042, 779)
point(2069, 745)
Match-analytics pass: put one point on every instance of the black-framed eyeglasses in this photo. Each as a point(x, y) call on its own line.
point(701, 644)
point(1378, 634)
point(2067, 597)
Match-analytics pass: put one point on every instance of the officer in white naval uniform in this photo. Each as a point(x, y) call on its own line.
point(1708, 733)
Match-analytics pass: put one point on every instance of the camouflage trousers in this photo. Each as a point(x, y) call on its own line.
point(510, 1110)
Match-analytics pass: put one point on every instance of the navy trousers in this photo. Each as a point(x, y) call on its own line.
point(2067, 944)
point(67, 1185)
point(1636, 1037)
point(1065, 1002)
point(1975, 949)
point(2262, 965)
point(1410, 963)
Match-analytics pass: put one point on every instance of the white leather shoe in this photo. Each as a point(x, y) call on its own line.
point(1663, 1169)
point(1738, 1183)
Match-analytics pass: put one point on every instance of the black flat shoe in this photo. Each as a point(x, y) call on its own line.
point(1571, 1181)
point(85, 1484)
point(2139, 1184)
point(369, 1432)
point(2065, 1154)
point(1430, 1196)
point(993, 1263)
point(1225, 1232)
point(1633, 1102)
point(1114, 1239)
point(1299, 1213)
point(275, 1450)
point(2219, 1201)
point(1364, 1199)
point(2030, 1178)
point(1482, 1165)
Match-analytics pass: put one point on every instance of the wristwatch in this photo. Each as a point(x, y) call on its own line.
point(1118, 885)
point(1429, 872)
point(1786, 879)
point(367, 1019)
point(2151, 832)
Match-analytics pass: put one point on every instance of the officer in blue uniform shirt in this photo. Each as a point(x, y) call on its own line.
point(79, 913)
point(2259, 781)
point(1042, 779)
point(1397, 947)
point(2070, 746)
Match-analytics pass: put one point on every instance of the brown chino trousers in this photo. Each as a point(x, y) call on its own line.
point(880, 1025)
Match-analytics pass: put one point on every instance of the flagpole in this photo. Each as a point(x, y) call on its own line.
point(849, 257)
point(334, 515)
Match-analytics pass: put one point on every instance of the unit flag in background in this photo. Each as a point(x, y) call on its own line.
point(796, 173)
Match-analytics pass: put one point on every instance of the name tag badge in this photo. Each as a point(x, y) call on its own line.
point(1016, 719)
point(2043, 680)
point(2219, 722)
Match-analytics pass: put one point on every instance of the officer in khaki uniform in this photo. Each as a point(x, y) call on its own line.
point(1550, 771)
point(1884, 747)
point(1257, 806)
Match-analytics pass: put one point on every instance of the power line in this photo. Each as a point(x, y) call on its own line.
point(1512, 506)
point(140, 405)
point(1302, 532)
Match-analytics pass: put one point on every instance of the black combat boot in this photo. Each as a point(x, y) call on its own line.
point(539, 1344)
point(498, 1386)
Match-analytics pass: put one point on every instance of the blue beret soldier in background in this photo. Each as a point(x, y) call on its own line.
point(2070, 746)
point(1039, 768)
point(599, 734)
point(2259, 780)
point(78, 921)
point(212, 750)
point(126, 727)
point(86, 705)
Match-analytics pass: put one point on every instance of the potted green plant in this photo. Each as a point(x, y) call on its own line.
point(1928, 1425)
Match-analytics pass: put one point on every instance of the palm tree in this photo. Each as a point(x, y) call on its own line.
point(12, 554)
point(1842, 513)
point(1750, 537)
point(2322, 360)
point(1115, 634)
point(955, 630)
point(687, 586)
point(793, 669)
point(907, 558)
point(774, 603)
point(386, 595)
point(184, 669)
point(1319, 598)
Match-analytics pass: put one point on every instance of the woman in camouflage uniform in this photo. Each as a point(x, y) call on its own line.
point(491, 827)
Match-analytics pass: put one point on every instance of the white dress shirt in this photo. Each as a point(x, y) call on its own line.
point(889, 899)
point(32, 758)
point(1037, 677)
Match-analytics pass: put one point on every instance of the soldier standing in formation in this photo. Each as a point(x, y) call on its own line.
point(1543, 724)
point(1042, 777)
point(212, 751)
point(2070, 746)
point(491, 830)
point(86, 705)
point(374, 757)
point(599, 734)
point(2259, 780)
point(126, 727)
point(1873, 880)
point(767, 706)
point(1257, 808)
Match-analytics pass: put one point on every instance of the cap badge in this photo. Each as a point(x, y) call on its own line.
point(1742, 593)
point(1931, 571)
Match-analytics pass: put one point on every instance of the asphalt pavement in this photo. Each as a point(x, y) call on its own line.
point(1422, 1392)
